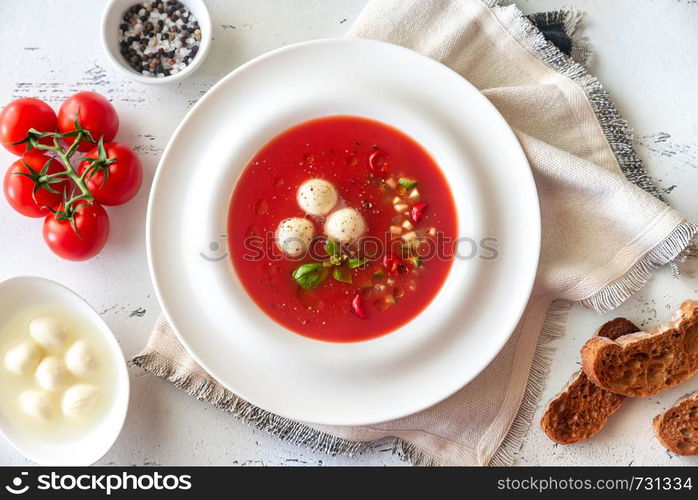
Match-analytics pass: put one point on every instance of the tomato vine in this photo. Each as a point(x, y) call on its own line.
point(64, 154)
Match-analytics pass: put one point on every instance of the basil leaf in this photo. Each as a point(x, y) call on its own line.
point(310, 275)
point(354, 263)
point(342, 274)
point(407, 183)
point(331, 247)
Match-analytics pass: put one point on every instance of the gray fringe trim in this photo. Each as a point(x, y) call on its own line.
point(413, 454)
point(282, 428)
point(615, 128)
point(615, 294)
point(572, 21)
point(287, 430)
point(553, 327)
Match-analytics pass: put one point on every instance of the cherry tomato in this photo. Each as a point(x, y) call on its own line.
point(357, 305)
point(124, 179)
point(19, 116)
point(19, 189)
point(392, 264)
point(375, 163)
point(92, 224)
point(94, 113)
point(418, 211)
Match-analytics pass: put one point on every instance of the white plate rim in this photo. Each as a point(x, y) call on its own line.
point(535, 234)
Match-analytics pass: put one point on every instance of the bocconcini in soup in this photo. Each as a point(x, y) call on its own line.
point(294, 235)
point(317, 197)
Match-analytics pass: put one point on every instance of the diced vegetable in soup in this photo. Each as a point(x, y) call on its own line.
point(342, 229)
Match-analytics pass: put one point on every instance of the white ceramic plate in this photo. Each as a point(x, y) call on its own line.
point(367, 382)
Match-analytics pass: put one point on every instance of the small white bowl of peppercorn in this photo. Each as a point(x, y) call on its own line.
point(159, 41)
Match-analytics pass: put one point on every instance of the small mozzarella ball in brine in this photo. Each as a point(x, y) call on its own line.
point(80, 359)
point(79, 400)
point(37, 404)
point(52, 374)
point(317, 197)
point(294, 235)
point(345, 225)
point(48, 332)
point(23, 358)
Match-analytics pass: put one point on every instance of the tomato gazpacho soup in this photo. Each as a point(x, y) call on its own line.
point(342, 229)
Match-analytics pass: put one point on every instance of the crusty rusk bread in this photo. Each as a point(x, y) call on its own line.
point(582, 409)
point(677, 428)
point(645, 363)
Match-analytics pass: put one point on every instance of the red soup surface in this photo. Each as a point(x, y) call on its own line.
point(391, 240)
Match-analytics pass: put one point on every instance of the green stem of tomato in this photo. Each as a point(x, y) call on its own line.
point(64, 157)
point(70, 170)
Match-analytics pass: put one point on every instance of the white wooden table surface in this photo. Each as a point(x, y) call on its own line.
point(645, 55)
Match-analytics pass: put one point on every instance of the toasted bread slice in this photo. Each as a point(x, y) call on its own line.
point(642, 364)
point(677, 428)
point(582, 409)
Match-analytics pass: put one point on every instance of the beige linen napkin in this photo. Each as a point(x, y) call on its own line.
point(602, 235)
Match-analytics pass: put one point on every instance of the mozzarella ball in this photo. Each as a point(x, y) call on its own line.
point(48, 332)
point(345, 225)
point(37, 404)
point(294, 235)
point(317, 197)
point(23, 358)
point(80, 359)
point(52, 374)
point(79, 400)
